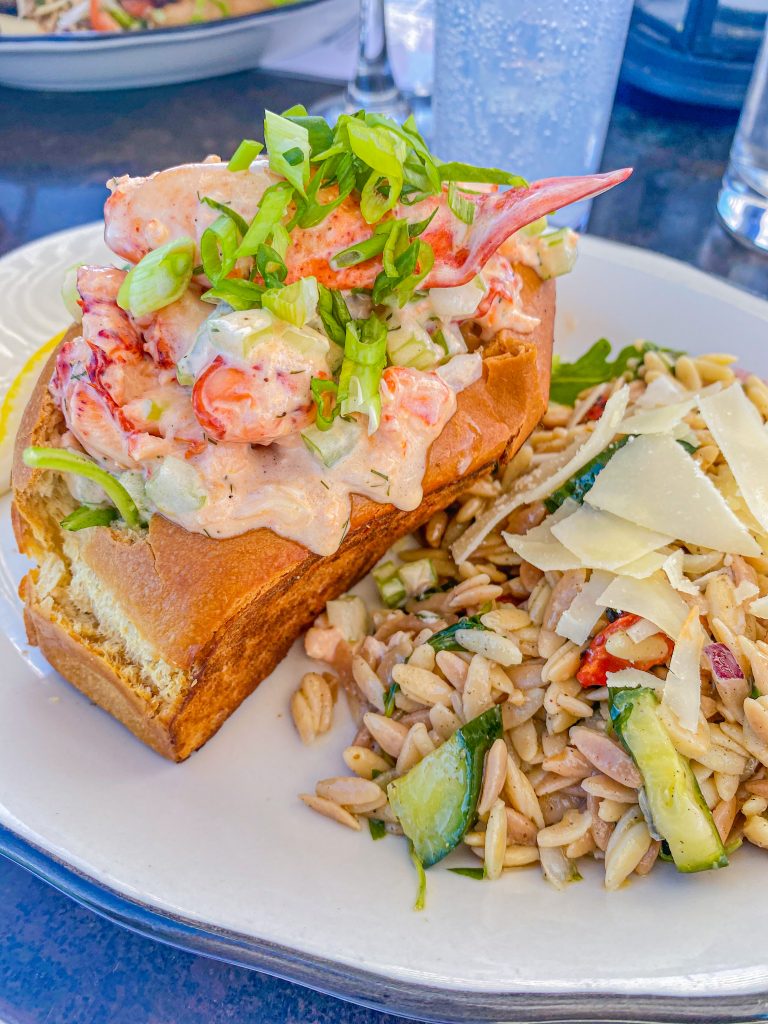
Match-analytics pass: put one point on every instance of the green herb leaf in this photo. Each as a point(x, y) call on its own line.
point(445, 639)
point(377, 828)
point(83, 518)
point(477, 873)
point(389, 700)
point(595, 367)
point(244, 155)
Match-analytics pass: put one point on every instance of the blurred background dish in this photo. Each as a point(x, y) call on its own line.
point(120, 59)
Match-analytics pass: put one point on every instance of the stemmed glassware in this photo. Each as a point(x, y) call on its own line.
point(373, 86)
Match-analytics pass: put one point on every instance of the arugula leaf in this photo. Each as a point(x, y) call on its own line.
point(377, 828)
point(445, 639)
point(477, 873)
point(595, 367)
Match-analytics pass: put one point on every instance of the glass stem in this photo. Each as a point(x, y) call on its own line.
point(373, 85)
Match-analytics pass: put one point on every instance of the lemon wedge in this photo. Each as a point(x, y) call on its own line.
point(14, 403)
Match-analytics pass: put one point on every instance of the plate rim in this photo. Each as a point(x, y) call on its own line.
point(425, 1002)
point(90, 40)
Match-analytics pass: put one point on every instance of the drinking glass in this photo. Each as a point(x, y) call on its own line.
point(527, 85)
point(373, 86)
point(743, 200)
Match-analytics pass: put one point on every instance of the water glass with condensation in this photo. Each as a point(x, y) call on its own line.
point(527, 85)
point(743, 200)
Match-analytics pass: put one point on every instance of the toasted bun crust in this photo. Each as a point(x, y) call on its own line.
point(220, 614)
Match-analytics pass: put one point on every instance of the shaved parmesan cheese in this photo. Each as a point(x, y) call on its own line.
point(605, 541)
point(643, 567)
point(682, 689)
point(744, 591)
point(540, 547)
point(577, 621)
point(652, 599)
point(632, 677)
point(653, 482)
point(659, 420)
point(664, 390)
point(673, 567)
point(536, 486)
point(738, 430)
point(641, 630)
point(760, 607)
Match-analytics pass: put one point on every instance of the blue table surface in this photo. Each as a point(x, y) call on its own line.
point(59, 963)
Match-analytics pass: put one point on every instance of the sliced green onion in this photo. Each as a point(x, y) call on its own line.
point(84, 517)
point(535, 228)
point(244, 155)
point(319, 131)
point(271, 266)
point(272, 208)
point(62, 461)
point(421, 892)
point(218, 248)
point(295, 303)
point(240, 223)
point(420, 226)
point(479, 175)
point(159, 279)
point(378, 148)
point(331, 445)
point(286, 137)
point(280, 240)
point(460, 206)
point(123, 19)
point(379, 195)
point(69, 293)
point(326, 411)
point(397, 241)
point(365, 356)
point(236, 293)
point(332, 310)
point(366, 249)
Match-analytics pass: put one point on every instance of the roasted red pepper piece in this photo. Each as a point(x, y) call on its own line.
point(597, 408)
point(597, 661)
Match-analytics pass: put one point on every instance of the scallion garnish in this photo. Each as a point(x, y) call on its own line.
point(296, 303)
point(289, 149)
point(84, 517)
point(218, 248)
point(159, 279)
point(469, 174)
point(62, 461)
point(240, 223)
point(272, 208)
point(460, 205)
point(244, 155)
point(365, 356)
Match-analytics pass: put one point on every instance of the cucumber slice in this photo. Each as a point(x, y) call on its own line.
point(436, 801)
point(679, 811)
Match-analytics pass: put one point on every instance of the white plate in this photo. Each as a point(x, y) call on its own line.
point(222, 843)
point(128, 60)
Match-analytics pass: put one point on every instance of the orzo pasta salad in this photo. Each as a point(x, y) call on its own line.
point(572, 662)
